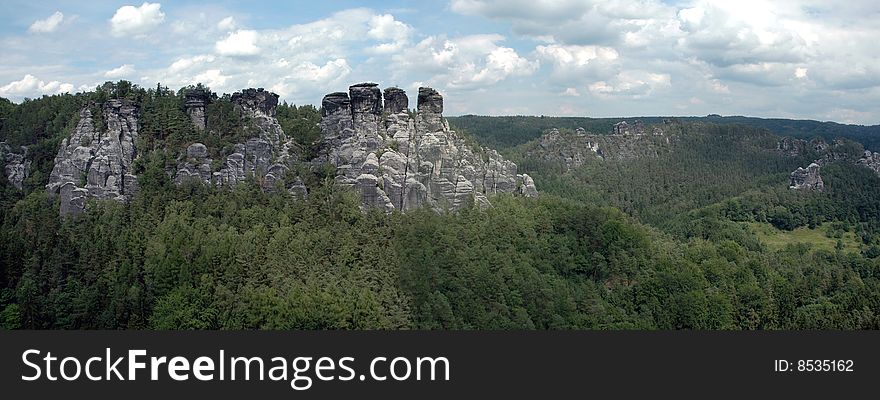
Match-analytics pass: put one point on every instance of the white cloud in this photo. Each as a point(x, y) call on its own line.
point(48, 25)
point(187, 62)
point(227, 24)
point(212, 78)
point(30, 85)
point(635, 84)
point(239, 43)
point(576, 56)
point(123, 71)
point(131, 20)
point(466, 62)
point(800, 73)
point(392, 33)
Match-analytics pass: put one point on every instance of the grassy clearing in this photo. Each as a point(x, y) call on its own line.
point(817, 239)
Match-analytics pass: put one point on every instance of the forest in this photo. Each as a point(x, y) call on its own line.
point(520, 129)
point(651, 243)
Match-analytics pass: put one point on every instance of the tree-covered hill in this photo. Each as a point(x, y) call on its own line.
point(673, 240)
point(509, 131)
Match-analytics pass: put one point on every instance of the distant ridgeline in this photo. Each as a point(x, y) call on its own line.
point(395, 159)
point(509, 131)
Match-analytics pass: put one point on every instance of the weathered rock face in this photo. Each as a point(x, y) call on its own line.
point(399, 162)
point(265, 157)
point(96, 162)
point(396, 101)
point(196, 102)
point(807, 178)
point(16, 166)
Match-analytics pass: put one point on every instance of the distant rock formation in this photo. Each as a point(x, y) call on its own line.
point(573, 150)
point(16, 166)
point(810, 177)
point(625, 128)
point(196, 102)
point(807, 178)
point(265, 157)
point(399, 162)
point(871, 161)
point(97, 162)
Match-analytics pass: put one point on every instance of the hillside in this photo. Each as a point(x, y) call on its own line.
point(504, 132)
point(133, 208)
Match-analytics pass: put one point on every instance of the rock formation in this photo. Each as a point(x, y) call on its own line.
point(625, 128)
point(871, 161)
point(807, 178)
point(196, 102)
point(16, 166)
point(574, 149)
point(95, 161)
point(266, 157)
point(399, 162)
point(810, 177)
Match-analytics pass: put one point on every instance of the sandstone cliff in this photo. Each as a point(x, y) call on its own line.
point(16, 166)
point(399, 161)
point(265, 157)
point(96, 161)
point(807, 178)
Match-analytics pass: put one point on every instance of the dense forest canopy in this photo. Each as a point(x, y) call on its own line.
point(666, 242)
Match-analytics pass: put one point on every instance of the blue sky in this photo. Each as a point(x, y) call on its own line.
point(797, 59)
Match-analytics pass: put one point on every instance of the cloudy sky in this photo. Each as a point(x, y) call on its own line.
point(795, 59)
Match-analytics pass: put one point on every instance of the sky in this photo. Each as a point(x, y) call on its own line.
point(807, 59)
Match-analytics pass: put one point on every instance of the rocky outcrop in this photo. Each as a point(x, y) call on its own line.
point(807, 178)
point(196, 102)
point(837, 151)
point(396, 100)
point(16, 166)
point(574, 149)
point(96, 161)
point(871, 161)
point(265, 157)
point(635, 128)
point(398, 162)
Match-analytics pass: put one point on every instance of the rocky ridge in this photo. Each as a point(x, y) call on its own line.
point(96, 161)
point(400, 161)
point(626, 141)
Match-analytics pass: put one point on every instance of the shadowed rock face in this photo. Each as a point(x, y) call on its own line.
point(333, 102)
point(366, 98)
point(395, 101)
point(400, 162)
point(430, 101)
point(256, 102)
point(807, 178)
point(16, 166)
point(96, 162)
point(196, 101)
